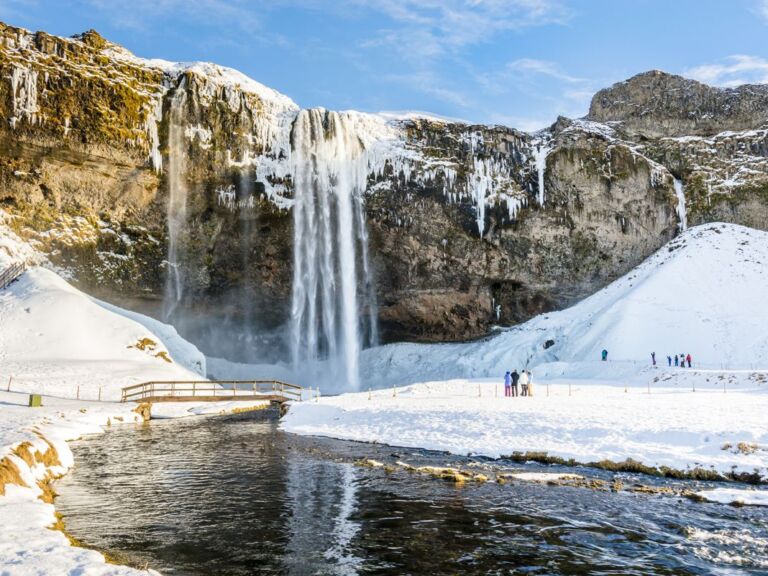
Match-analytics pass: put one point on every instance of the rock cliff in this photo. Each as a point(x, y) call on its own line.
point(468, 226)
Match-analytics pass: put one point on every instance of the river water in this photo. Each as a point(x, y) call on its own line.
point(235, 496)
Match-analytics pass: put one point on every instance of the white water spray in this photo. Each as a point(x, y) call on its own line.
point(177, 200)
point(681, 211)
point(330, 167)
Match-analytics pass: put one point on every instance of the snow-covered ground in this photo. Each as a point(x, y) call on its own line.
point(672, 427)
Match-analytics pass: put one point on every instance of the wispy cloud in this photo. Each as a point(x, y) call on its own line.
point(732, 71)
point(432, 28)
point(528, 69)
point(762, 9)
point(430, 83)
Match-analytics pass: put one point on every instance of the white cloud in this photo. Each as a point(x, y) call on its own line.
point(732, 71)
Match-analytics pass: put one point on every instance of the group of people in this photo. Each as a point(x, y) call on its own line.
point(512, 379)
point(679, 360)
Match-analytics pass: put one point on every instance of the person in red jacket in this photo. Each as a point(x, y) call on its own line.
point(688, 359)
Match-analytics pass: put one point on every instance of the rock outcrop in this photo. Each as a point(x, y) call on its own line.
point(469, 226)
point(656, 105)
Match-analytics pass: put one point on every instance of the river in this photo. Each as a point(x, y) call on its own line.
point(235, 496)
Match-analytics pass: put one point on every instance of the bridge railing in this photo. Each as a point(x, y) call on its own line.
point(11, 273)
point(209, 389)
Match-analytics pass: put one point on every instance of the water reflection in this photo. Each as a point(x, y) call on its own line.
point(321, 503)
point(233, 496)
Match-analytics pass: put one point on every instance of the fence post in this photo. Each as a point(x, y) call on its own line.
point(78, 392)
point(99, 393)
point(547, 388)
point(394, 391)
point(317, 398)
point(9, 383)
point(369, 392)
point(569, 388)
point(479, 391)
point(194, 389)
point(649, 386)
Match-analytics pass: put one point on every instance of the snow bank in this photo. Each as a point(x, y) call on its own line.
point(703, 294)
point(669, 427)
point(736, 496)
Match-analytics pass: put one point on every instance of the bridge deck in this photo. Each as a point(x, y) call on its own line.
point(213, 391)
point(220, 398)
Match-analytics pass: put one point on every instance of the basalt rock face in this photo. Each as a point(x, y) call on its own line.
point(468, 226)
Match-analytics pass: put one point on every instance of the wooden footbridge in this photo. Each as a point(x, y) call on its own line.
point(274, 391)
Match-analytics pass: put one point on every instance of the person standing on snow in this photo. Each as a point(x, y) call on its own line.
point(669, 359)
point(515, 378)
point(530, 382)
point(524, 383)
point(653, 358)
point(507, 384)
point(604, 355)
point(677, 360)
point(682, 360)
point(688, 358)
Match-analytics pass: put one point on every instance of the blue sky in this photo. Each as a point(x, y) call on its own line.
point(513, 62)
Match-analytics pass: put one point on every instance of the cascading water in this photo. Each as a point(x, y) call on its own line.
point(681, 211)
point(177, 200)
point(330, 168)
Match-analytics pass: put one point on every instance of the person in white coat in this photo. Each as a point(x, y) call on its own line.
point(524, 383)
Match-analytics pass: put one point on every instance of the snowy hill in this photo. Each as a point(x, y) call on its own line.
point(702, 294)
point(54, 338)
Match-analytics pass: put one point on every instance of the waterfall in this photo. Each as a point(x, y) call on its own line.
point(540, 152)
point(177, 200)
point(331, 276)
point(244, 296)
point(681, 212)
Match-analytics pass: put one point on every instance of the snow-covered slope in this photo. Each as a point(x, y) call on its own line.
point(703, 294)
point(54, 339)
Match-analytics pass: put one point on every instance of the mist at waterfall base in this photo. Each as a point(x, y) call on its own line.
point(333, 308)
